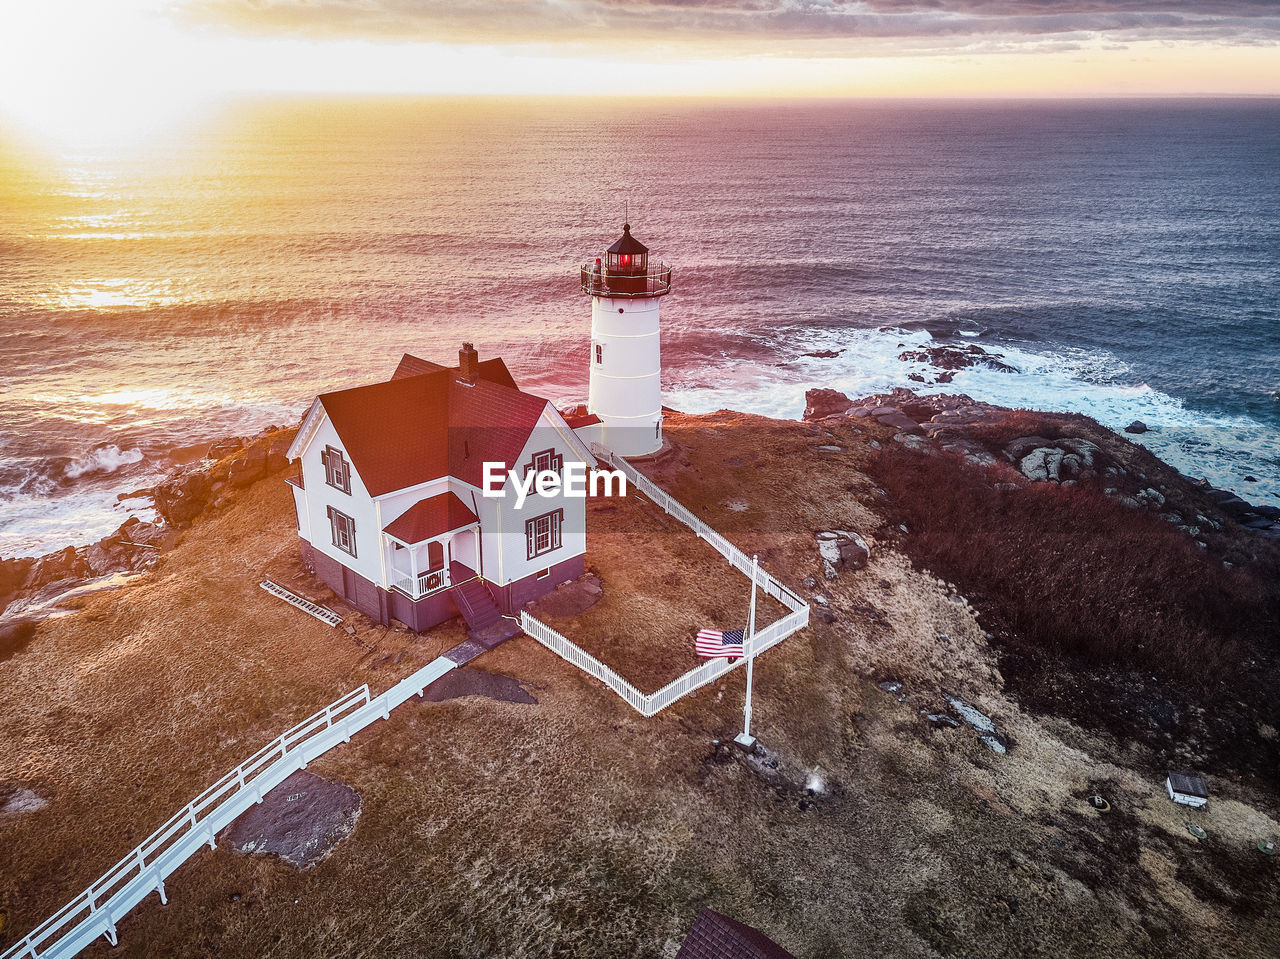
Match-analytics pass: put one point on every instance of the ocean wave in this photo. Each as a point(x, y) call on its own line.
point(104, 459)
point(1234, 452)
point(39, 523)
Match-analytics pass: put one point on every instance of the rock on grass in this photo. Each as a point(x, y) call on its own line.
point(299, 822)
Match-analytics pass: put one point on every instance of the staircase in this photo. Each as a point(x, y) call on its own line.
point(476, 605)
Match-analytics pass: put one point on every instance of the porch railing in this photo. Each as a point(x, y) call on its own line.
point(424, 584)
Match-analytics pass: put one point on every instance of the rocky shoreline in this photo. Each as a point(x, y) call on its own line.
point(972, 430)
point(30, 587)
point(950, 424)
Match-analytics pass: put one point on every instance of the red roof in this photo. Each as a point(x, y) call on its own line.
point(430, 517)
point(494, 370)
point(411, 365)
point(423, 426)
point(585, 419)
point(714, 936)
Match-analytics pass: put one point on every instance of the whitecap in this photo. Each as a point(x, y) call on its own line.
point(1220, 447)
point(104, 459)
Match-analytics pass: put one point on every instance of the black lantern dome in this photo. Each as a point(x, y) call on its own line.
point(628, 255)
point(624, 271)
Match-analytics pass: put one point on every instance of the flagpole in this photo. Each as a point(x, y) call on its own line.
point(746, 739)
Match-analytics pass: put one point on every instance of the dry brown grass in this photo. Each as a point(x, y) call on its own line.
point(661, 585)
point(576, 828)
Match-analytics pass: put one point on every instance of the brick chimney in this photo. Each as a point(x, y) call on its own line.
point(468, 362)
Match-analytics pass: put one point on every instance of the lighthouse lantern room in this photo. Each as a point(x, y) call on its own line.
point(626, 355)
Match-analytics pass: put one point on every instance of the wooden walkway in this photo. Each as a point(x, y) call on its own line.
point(94, 912)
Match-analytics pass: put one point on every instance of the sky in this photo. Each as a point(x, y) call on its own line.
point(117, 67)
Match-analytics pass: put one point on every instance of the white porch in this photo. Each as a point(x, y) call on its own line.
point(434, 565)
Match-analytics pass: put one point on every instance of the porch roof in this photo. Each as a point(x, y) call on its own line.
point(430, 517)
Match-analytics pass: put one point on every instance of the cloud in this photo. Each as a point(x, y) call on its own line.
point(756, 23)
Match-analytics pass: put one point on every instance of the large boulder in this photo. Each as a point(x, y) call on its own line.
point(819, 404)
point(841, 549)
point(1081, 447)
point(957, 358)
point(1137, 427)
point(896, 419)
point(64, 564)
point(13, 574)
point(183, 498)
point(249, 468)
point(277, 456)
point(1042, 465)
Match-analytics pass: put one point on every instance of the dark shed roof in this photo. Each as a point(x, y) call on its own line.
point(714, 936)
point(1189, 785)
point(628, 243)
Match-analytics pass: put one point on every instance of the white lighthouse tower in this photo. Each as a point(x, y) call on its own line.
point(626, 355)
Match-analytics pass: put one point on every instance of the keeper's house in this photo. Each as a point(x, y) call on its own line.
point(390, 501)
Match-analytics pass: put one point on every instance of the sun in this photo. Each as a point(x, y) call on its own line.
point(95, 73)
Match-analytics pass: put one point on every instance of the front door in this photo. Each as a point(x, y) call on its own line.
point(463, 549)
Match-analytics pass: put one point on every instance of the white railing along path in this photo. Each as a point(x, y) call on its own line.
point(143, 871)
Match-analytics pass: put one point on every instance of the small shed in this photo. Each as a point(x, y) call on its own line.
point(1188, 790)
point(714, 936)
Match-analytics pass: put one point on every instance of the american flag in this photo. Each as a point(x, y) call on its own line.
point(714, 643)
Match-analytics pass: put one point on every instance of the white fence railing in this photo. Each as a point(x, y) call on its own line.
point(566, 649)
point(673, 507)
point(96, 911)
point(649, 704)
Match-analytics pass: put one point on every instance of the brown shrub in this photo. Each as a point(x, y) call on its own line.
point(1071, 572)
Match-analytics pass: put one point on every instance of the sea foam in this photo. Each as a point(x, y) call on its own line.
point(104, 459)
point(1224, 449)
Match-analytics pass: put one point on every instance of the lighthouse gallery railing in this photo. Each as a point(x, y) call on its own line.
point(600, 282)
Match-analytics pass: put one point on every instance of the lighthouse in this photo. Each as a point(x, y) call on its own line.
point(626, 355)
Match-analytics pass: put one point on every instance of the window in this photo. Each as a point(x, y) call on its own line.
point(548, 461)
point(657, 430)
point(337, 471)
point(543, 574)
point(542, 534)
point(343, 528)
point(600, 352)
point(435, 557)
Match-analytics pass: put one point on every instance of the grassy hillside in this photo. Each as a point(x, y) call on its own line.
point(574, 827)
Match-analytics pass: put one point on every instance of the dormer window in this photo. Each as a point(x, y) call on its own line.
point(337, 471)
point(548, 461)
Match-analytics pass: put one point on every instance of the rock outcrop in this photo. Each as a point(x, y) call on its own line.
point(962, 426)
point(952, 358)
point(136, 545)
point(820, 404)
point(181, 499)
point(840, 550)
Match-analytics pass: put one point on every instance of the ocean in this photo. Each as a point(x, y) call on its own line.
point(1123, 258)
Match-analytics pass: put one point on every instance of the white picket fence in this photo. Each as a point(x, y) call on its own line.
point(648, 704)
point(143, 871)
point(96, 911)
point(673, 507)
